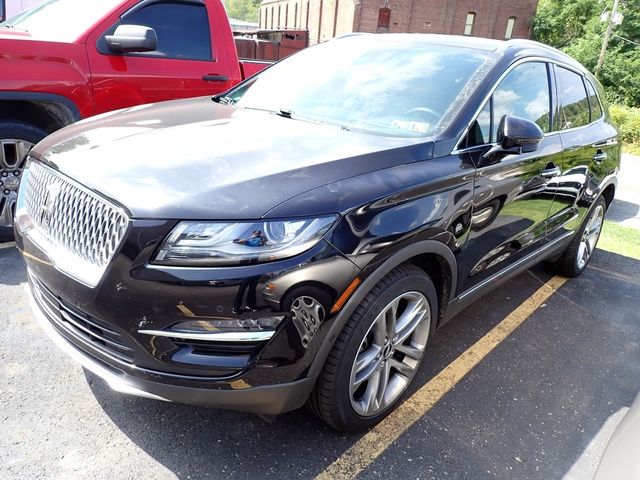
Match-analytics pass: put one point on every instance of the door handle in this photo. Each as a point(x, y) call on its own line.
point(600, 156)
point(551, 171)
point(212, 77)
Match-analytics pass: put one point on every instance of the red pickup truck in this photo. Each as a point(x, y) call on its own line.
point(65, 60)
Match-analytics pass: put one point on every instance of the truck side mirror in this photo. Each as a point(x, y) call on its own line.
point(516, 136)
point(132, 38)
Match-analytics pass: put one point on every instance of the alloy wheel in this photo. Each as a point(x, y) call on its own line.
point(13, 153)
point(390, 353)
point(590, 236)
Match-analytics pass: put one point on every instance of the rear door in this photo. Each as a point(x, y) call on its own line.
point(185, 64)
point(512, 198)
point(590, 149)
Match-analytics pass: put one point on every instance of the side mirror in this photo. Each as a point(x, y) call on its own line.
point(515, 136)
point(133, 38)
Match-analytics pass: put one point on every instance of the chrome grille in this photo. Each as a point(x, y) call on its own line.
point(78, 229)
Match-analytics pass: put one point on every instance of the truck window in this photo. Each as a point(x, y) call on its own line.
point(2, 11)
point(182, 29)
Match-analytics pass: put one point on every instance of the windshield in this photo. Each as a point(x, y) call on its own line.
point(404, 86)
point(61, 20)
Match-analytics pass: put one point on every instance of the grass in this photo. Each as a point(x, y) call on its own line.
point(620, 239)
point(632, 148)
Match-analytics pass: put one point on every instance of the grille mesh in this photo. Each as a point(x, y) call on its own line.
point(71, 219)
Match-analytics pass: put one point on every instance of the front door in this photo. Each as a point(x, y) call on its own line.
point(184, 64)
point(512, 195)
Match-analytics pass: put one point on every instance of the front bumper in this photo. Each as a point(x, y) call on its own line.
point(266, 400)
point(116, 329)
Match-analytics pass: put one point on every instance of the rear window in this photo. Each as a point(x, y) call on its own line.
point(370, 84)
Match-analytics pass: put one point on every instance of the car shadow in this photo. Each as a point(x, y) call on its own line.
point(12, 267)
point(622, 210)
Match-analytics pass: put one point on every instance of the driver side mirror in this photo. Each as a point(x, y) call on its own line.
point(133, 38)
point(516, 136)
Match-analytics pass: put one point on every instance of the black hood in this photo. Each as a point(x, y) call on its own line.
point(195, 159)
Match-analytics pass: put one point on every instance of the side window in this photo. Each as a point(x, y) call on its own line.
point(573, 99)
point(523, 93)
point(480, 131)
point(594, 103)
point(182, 29)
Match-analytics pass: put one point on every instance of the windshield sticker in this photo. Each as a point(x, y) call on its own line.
point(411, 126)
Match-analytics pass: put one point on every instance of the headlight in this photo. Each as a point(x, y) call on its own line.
point(217, 243)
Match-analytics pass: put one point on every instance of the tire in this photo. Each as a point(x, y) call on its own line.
point(338, 398)
point(16, 138)
point(576, 256)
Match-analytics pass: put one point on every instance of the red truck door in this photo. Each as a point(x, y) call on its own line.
point(186, 63)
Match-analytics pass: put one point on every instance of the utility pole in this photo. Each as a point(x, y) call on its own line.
point(607, 36)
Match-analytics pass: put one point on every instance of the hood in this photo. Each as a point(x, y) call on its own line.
point(9, 33)
point(195, 159)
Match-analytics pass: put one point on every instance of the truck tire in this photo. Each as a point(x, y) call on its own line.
point(16, 139)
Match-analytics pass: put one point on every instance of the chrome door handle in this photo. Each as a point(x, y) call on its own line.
point(600, 156)
point(551, 172)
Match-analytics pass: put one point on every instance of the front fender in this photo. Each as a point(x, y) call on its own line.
point(414, 249)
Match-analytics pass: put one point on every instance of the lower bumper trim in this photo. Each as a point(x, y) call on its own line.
point(266, 400)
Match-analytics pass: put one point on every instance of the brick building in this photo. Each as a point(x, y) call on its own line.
point(327, 18)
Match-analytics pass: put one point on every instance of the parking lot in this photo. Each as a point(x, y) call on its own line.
point(541, 404)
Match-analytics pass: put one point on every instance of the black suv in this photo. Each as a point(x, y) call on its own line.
point(300, 237)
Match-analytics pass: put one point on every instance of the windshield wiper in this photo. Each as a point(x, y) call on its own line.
point(285, 113)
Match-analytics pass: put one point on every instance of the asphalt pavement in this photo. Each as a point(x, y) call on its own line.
point(541, 405)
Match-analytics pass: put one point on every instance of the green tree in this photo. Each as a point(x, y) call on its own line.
point(575, 27)
point(247, 10)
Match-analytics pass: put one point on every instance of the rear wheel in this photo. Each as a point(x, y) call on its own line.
point(378, 352)
point(578, 253)
point(16, 139)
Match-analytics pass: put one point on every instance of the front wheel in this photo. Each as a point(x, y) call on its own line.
point(578, 253)
point(378, 352)
point(16, 139)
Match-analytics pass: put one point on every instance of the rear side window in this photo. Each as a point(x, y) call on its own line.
point(594, 103)
point(574, 111)
point(182, 29)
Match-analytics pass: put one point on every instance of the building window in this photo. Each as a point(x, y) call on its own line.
point(286, 15)
point(295, 16)
point(272, 17)
point(279, 18)
point(384, 19)
point(510, 24)
point(468, 24)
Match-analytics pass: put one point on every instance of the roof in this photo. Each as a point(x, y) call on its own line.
point(513, 48)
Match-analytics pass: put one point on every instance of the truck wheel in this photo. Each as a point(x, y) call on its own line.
point(16, 139)
point(378, 352)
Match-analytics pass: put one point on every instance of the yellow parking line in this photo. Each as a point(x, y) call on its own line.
point(364, 452)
